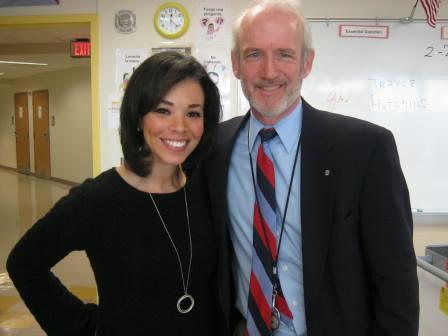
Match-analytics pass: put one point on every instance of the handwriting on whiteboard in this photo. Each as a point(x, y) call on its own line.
point(396, 95)
point(441, 51)
point(397, 104)
point(334, 99)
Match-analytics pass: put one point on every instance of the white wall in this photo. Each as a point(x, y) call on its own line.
point(71, 137)
point(147, 37)
point(7, 128)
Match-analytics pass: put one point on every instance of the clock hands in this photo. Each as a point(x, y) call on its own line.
point(172, 21)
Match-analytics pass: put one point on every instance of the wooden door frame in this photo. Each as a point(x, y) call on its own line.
point(92, 20)
point(25, 170)
point(37, 158)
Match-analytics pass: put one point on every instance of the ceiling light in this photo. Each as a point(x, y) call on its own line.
point(22, 63)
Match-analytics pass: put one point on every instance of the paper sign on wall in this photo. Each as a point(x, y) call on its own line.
point(445, 33)
point(113, 111)
point(214, 24)
point(21, 112)
point(364, 31)
point(217, 64)
point(39, 112)
point(127, 60)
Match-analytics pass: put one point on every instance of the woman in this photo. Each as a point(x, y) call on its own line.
point(145, 226)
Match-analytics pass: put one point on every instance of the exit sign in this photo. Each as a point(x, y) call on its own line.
point(80, 48)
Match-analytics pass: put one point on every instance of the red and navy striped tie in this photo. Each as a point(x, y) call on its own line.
point(264, 251)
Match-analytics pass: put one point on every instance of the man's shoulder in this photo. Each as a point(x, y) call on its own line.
point(231, 123)
point(342, 124)
point(229, 127)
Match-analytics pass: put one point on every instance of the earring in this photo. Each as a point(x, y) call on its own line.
point(139, 131)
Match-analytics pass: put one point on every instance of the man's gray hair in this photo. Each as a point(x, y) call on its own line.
point(292, 6)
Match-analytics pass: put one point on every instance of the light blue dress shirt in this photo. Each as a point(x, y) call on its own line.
point(241, 197)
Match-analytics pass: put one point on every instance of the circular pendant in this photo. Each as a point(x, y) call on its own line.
point(275, 319)
point(185, 303)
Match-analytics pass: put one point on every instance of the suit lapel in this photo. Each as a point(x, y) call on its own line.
point(318, 181)
point(225, 140)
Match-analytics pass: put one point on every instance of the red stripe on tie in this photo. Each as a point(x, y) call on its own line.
point(282, 306)
point(259, 224)
point(266, 165)
point(263, 306)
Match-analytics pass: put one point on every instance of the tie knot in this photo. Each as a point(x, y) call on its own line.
point(267, 134)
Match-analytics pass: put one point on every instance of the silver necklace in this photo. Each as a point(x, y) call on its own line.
point(185, 300)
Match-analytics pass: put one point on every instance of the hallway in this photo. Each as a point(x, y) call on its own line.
point(23, 200)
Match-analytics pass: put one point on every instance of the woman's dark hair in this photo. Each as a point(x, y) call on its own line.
point(149, 83)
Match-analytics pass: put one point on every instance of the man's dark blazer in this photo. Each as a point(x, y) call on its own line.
point(359, 266)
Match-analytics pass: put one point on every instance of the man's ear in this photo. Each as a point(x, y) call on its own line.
point(235, 63)
point(308, 63)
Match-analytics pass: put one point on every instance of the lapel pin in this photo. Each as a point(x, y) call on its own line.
point(327, 172)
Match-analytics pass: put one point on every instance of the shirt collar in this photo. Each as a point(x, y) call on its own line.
point(287, 128)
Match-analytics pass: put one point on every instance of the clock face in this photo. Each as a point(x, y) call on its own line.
point(171, 20)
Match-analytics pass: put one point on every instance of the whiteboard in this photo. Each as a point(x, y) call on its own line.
point(400, 83)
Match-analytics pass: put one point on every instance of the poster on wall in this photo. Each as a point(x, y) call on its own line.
point(214, 24)
point(217, 65)
point(126, 61)
point(113, 111)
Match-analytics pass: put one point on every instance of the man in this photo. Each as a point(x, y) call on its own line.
point(338, 259)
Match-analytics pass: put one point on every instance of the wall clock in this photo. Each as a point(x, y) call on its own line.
point(171, 20)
